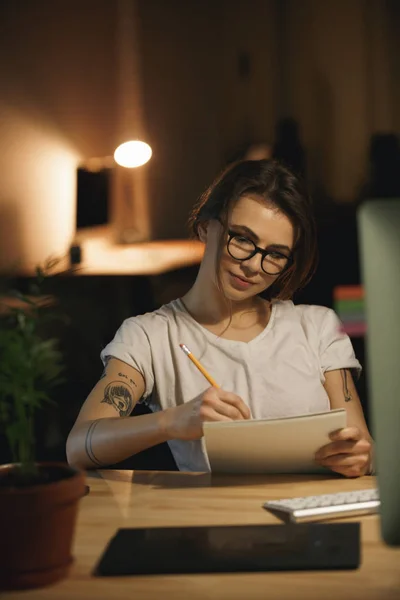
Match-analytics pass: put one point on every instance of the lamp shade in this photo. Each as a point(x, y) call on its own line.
point(132, 154)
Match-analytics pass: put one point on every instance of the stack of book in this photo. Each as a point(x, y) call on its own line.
point(349, 306)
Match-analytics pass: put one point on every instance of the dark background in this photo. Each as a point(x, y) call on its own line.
point(203, 83)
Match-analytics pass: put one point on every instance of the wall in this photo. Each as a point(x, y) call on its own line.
point(333, 65)
point(180, 91)
point(339, 84)
point(248, 106)
point(198, 110)
point(56, 108)
point(393, 27)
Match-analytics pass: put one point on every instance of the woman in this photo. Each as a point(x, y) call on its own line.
point(270, 357)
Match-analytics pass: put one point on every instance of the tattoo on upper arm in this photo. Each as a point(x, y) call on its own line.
point(126, 377)
point(346, 391)
point(119, 395)
point(88, 444)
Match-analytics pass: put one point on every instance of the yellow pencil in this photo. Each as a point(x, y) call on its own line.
point(199, 365)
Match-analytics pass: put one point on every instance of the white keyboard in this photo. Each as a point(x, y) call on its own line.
point(326, 506)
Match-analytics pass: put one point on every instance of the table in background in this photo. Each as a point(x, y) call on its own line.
point(156, 499)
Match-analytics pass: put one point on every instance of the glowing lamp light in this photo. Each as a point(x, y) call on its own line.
point(132, 154)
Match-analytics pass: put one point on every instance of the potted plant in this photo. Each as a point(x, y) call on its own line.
point(38, 501)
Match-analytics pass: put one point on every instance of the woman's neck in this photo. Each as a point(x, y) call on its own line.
point(208, 306)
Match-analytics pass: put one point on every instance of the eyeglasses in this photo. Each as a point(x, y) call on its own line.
point(241, 248)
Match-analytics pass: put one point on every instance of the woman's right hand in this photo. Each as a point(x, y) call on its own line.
point(185, 422)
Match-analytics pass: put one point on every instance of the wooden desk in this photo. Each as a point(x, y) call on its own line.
point(140, 499)
point(102, 256)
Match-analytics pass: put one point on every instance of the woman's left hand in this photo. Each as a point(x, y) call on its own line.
point(349, 453)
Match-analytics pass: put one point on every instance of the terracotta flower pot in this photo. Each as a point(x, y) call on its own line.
point(37, 525)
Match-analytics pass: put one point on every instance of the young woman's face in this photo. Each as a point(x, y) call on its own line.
point(252, 220)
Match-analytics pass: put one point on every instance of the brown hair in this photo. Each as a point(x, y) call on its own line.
point(282, 189)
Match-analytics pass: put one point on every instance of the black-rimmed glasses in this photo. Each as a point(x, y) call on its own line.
point(242, 248)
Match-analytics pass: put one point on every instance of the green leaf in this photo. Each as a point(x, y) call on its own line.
point(31, 364)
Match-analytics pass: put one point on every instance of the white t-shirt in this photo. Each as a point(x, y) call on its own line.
point(277, 374)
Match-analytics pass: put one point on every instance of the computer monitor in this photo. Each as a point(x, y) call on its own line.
point(93, 197)
point(379, 233)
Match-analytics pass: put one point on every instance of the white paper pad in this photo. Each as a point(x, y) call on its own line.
point(271, 445)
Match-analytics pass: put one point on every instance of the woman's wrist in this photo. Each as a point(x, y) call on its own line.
point(372, 466)
point(165, 422)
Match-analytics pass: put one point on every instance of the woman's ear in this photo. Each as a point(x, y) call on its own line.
point(202, 231)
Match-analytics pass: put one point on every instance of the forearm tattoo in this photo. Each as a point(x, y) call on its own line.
point(346, 391)
point(119, 395)
point(88, 445)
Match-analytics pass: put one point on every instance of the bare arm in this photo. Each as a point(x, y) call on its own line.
point(99, 437)
point(350, 451)
point(339, 386)
point(104, 433)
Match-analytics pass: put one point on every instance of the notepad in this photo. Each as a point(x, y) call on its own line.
point(285, 445)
